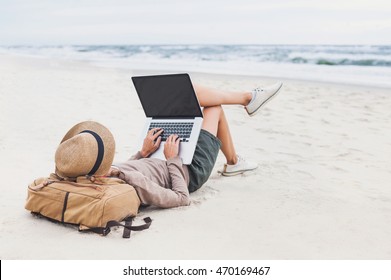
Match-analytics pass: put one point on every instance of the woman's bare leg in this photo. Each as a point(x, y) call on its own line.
point(209, 97)
point(216, 123)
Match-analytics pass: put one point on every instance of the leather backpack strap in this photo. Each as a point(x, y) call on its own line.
point(128, 227)
point(44, 182)
point(128, 223)
point(54, 178)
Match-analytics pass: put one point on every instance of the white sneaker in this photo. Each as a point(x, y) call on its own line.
point(240, 167)
point(261, 96)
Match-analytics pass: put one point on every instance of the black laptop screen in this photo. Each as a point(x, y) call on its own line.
point(167, 96)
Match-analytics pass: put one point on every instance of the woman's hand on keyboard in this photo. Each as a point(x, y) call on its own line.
point(171, 148)
point(151, 142)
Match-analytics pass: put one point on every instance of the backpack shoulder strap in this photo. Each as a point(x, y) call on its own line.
point(128, 227)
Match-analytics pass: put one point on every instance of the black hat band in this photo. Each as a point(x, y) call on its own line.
point(101, 151)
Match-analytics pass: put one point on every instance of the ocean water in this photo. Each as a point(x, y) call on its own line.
point(350, 64)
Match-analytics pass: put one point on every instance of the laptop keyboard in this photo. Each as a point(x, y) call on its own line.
point(182, 129)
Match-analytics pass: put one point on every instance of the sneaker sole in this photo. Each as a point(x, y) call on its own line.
point(229, 174)
point(264, 102)
point(232, 173)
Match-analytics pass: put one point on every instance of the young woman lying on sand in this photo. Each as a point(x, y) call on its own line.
point(168, 183)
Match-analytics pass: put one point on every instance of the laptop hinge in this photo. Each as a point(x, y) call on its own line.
point(173, 118)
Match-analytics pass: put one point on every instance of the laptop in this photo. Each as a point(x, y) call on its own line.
point(170, 103)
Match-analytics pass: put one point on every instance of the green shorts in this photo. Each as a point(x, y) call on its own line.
point(204, 159)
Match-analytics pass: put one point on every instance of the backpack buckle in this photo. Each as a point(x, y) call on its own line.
point(106, 231)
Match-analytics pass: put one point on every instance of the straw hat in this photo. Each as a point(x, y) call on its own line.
point(88, 148)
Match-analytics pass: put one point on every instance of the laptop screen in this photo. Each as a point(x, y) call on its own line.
point(167, 96)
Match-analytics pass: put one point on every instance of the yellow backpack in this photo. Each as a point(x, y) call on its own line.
point(93, 203)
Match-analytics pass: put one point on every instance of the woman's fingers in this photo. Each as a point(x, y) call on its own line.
point(154, 133)
point(157, 142)
point(171, 148)
point(173, 138)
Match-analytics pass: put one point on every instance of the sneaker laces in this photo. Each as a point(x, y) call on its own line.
point(240, 159)
point(258, 90)
point(254, 93)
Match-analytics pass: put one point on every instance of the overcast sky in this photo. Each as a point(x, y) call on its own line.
point(53, 22)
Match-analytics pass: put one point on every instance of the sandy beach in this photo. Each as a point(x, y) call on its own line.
point(322, 189)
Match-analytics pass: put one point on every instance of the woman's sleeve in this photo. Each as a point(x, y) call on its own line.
point(153, 194)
